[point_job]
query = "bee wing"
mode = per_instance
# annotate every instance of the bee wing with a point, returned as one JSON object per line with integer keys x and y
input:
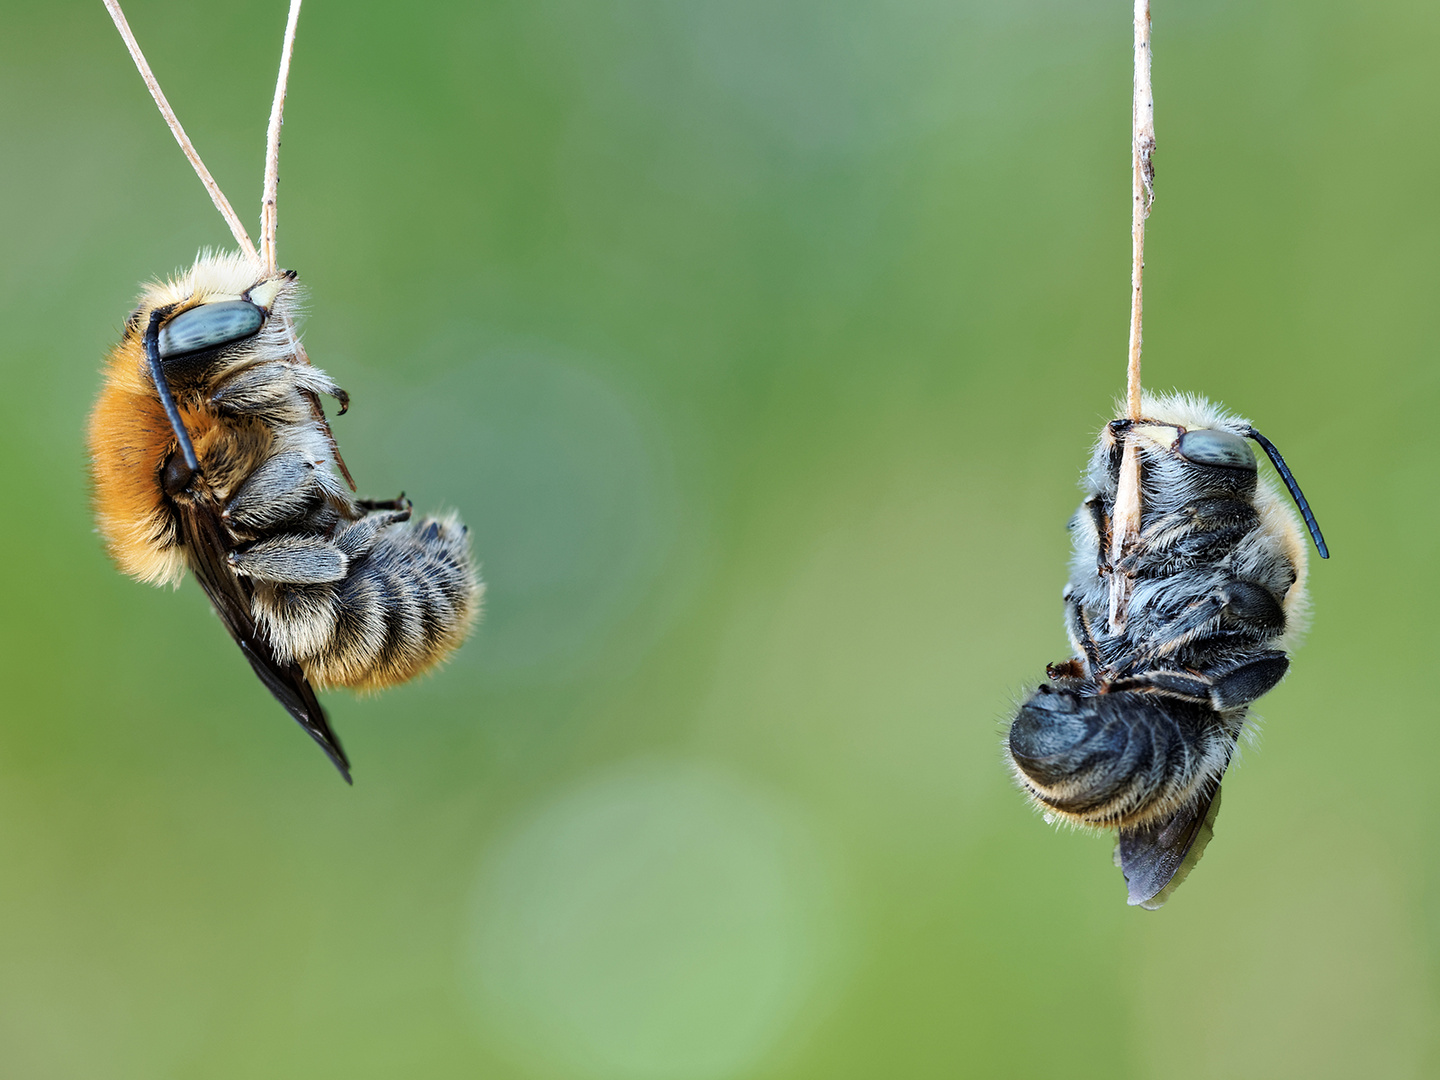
{"x": 1156, "y": 858}
{"x": 204, "y": 539}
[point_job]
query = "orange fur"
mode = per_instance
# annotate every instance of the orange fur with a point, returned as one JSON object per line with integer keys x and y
{"x": 130, "y": 438}
{"x": 305, "y": 579}
{"x": 131, "y": 442}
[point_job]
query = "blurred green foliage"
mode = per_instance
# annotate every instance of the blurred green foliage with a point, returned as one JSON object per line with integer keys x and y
{"x": 761, "y": 343}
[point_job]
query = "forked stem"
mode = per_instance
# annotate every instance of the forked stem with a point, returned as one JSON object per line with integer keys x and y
{"x": 268, "y": 219}
{"x": 216, "y": 195}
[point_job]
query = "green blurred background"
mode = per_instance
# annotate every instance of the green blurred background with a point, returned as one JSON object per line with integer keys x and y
{"x": 760, "y": 343}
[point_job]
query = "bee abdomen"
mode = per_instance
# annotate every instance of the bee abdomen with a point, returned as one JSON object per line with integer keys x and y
{"x": 1114, "y": 758}
{"x": 404, "y": 605}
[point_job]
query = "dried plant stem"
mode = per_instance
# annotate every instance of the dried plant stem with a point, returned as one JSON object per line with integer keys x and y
{"x": 216, "y": 195}
{"x": 1142, "y": 188}
{"x": 1125, "y": 520}
{"x": 268, "y": 220}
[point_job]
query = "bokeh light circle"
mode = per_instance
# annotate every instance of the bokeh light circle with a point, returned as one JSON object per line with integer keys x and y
{"x": 665, "y": 920}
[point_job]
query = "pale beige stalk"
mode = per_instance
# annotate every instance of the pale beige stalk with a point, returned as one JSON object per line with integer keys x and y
{"x": 268, "y": 220}
{"x": 1125, "y": 521}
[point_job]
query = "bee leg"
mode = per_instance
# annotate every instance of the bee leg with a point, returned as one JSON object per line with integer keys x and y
{"x": 1074, "y": 668}
{"x": 359, "y": 538}
{"x": 1243, "y": 683}
{"x": 1173, "y": 683}
{"x": 1077, "y": 625}
{"x": 280, "y": 490}
{"x": 315, "y": 381}
{"x": 1201, "y": 534}
{"x": 257, "y": 390}
{"x": 1100, "y": 521}
{"x": 306, "y": 380}
{"x": 1254, "y": 607}
{"x": 1242, "y": 606}
{"x": 397, "y": 503}
{"x": 1173, "y": 635}
{"x": 291, "y": 560}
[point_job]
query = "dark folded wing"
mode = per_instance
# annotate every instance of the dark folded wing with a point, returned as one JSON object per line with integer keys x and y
{"x": 1156, "y": 858}
{"x": 205, "y": 541}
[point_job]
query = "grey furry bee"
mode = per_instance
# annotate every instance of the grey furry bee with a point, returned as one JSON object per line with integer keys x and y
{"x": 210, "y": 452}
{"x": 1174, "y": 638}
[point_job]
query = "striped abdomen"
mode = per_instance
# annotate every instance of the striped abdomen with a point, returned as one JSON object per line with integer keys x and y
{"x": 408, "y": 597}
{"x": 1116, "y": 758}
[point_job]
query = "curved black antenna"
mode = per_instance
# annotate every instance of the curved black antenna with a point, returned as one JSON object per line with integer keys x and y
{"x": 162, "y": 387}
{"x": 1295, "y": 492}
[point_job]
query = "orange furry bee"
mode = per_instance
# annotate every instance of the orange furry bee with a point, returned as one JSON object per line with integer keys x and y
{"x": 210, "y": 452}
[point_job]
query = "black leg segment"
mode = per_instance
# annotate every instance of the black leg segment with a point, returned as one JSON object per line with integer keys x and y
{"x": 1249, "y": 681}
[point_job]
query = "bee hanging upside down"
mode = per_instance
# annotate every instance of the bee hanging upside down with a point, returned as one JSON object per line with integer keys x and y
{"x": 1175, "y": 636}
{"x": 210, "y": 452}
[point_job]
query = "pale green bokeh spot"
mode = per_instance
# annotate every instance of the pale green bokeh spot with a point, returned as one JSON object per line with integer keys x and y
{"x": 518, "y": 425}
{"x": 665, "y": 921}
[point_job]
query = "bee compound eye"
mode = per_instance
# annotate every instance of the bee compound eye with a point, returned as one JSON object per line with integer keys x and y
{"x": 1207, "y": 446}
{"x": 209, "y": 325}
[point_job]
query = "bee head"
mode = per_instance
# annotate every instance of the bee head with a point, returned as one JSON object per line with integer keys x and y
{"x": 199, "y": 316}
{"x": 1192, "y": 442}
{"x": 1204, "y": 462}
{"x": 204, "y": 320}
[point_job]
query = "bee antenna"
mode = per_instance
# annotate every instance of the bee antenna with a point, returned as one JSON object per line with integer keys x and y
{"x": 1295, "y": 493}
{"x": 162, "y": 386}
{"x": 216, "y": 195}
{"x": 272, "y": 145}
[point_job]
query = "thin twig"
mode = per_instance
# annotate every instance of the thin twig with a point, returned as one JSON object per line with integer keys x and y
{"x": 1125, "y": 520}
{"x": 272, "y": 145}
{"x": 216, "y": 195}
{"x": 1142, "y": 146}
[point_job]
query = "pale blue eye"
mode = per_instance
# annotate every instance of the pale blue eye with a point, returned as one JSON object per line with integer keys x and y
{"x": 209, "y": 325}
{"x": 1206, "y": 446}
